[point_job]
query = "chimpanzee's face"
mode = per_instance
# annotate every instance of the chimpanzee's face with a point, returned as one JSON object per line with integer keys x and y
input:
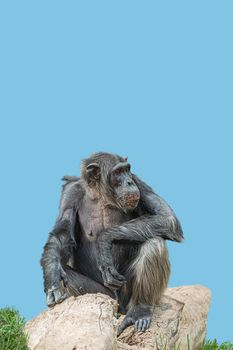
{"x": 125, "y": 190}
{"x": 110, "y": 175}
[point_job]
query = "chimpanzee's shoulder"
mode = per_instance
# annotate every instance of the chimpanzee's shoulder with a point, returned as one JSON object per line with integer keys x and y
{"x": 72, "y": 188}
{"x": 69, "y": 179}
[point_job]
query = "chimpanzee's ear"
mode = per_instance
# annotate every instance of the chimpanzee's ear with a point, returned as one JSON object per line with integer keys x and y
{"x": 93, "y": 171}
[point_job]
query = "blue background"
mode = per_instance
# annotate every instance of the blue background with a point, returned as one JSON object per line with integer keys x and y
{"x": 151, "y": 80}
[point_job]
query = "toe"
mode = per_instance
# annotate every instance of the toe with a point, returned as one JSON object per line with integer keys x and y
{"x": 139, "y": 324}
{"x": 146, "y": 324}
{"x": 142, "y": 324}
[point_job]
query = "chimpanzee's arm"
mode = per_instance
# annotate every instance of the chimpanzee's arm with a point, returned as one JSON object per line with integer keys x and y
{"x": 156, "y": 219}
{"x": 59, "y": 246}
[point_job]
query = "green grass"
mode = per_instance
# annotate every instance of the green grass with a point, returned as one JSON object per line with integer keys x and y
{"x": 208, "y": 345}
{"x": 213, "y": 345}
{"x": 12, "y": 336}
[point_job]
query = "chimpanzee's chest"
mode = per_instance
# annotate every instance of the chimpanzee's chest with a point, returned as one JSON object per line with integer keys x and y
{"x": 95, "y": 216}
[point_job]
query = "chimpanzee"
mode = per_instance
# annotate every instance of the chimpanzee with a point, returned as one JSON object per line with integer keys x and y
{"x": 109, "y": 237}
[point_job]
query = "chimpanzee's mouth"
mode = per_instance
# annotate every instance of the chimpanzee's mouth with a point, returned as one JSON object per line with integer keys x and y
{"x": 130, "y": 200}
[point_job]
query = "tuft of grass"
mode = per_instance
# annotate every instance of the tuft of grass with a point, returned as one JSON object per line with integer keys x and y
{"x": 12, "y": 336}
{"x": 208, "y": 345}
{"x": 213, "y": 345}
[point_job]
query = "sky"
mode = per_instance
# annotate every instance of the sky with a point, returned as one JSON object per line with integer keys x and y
{"x": 145, "y": 79}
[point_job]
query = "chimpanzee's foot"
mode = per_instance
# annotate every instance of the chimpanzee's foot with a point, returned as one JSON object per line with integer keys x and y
{"x": 143, "y": 324}
{"x": 139, "y": 315}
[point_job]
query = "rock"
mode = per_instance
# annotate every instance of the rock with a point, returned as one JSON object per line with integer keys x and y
{"x": 182, "y": 314}
{"x": 89, "y": 322}
{"x": 85, "y": 322}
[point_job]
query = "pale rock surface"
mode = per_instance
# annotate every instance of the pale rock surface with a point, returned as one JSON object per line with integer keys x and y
{"x": 182, "y": 313}
{"x": 89, "y": 322}
{"x": 85, "y": 322}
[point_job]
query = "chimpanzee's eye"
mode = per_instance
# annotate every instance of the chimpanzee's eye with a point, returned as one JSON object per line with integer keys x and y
{"x": 118, "y": 171}
{"x": 116, "y": 182}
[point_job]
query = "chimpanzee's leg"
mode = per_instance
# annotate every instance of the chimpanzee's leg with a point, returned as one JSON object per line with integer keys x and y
{"x": 147, "y": 278}
{"x": 75, "y": 284}
{"x": 78, "y": 284}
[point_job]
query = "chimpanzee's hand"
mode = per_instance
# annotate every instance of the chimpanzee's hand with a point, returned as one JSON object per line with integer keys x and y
{"x": 56, "y": 293}
{"x": 111, "y": 278}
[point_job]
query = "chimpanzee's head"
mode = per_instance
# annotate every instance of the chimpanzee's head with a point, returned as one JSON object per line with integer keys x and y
{"x": 110, "y": 175}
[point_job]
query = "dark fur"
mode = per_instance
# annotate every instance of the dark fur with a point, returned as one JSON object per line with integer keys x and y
{"x": 110, "y": 237}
